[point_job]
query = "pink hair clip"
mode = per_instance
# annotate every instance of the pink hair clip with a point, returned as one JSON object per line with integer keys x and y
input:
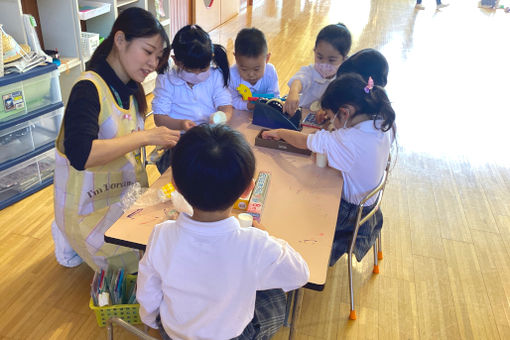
{"x": 126, "y": 116}
{"x": 370, "y": 85}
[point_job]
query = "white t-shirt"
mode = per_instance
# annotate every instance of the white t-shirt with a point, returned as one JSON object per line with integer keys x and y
{"x": 360, "y": 152}
{"x": 268, "y": 84}
{"x": 175, "y": 98}
{"x": 314, "y": 85}
{"x": 202, "y": 277}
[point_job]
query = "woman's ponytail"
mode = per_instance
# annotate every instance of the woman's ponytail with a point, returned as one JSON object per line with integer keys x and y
{"x": 221, "y": 60}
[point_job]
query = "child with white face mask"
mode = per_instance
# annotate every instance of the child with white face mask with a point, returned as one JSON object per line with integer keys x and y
{"x": 196, "y": 86}
{"x": 307, "y": 86}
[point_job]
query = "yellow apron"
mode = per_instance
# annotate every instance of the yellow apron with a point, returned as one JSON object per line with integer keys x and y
{"x": 87, "y": 202}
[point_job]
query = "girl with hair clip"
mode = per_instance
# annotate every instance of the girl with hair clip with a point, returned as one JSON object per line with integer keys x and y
{"x": 359, "y": 143}
{"x": 98, "y": 150}
{"x": 195, "y": 88}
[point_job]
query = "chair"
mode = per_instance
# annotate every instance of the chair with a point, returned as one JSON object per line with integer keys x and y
{"x": 130, "y": 328}
{"x": 379, "y": 190}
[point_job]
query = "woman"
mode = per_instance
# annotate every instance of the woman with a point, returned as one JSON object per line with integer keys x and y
{"x": 99, "y": 145}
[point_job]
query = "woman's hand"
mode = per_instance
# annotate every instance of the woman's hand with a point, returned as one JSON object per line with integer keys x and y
{"x": 162, "y": 136}
{"x": 271, "y": 134}
{"x": 187, "y": 124}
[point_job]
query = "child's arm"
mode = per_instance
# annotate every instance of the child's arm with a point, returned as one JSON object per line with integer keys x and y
{"x": 275, "y": 89}
{"x": 295, "y": 138}
{"x": 237, "y": 101}
{"x": 172, "y": 123}
{"x": 149, "y": 292}
{"x": 292, "y": 103}
{"x": 281, "y": 266}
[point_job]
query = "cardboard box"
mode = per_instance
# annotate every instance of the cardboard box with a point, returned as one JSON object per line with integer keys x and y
{"x": 242, "y": 202}
{"x": 278, "y": 144}
{"x": 258, "y": 196}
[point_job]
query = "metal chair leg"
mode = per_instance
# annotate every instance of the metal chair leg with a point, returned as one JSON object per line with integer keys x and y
{"x": 352, "y": 314}
{"x": 296, "y": 310}
{"x": 290, "y": 298}
{"x": 130, "y": 328}
{"x": 379, "y": 245}
{"x": 376, "y": 264}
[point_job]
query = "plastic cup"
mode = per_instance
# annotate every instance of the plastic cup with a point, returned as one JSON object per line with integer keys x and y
{"x": 245, "y": 220}
{"x": 321, "y": 160}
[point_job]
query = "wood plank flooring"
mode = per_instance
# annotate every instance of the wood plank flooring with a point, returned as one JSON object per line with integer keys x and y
{"x": 446, "y": 236}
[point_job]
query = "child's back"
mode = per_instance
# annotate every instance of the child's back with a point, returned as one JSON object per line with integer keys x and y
{"x": 202, "y": 273}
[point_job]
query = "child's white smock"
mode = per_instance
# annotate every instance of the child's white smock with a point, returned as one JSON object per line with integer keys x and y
{"x": 313, "y": 83}
{"x": 202, "y": 277}
{"x": 360, "y": 152}
{"x": 268, "y": 84}
{"x": 175, "y": 98}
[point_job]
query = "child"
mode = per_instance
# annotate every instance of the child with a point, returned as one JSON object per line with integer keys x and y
{"x": 331, "y": 48}
{"x": 203, "y": 276}
{"x": 367, "y": 63}
{"x": 252, "y": 68}
{"x": 363, "y": 119}
{"x": 192, "y": 90}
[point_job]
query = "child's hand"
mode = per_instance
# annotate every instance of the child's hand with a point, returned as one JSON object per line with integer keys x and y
{"x": 187, "y": 124}
{"x": 291, "y": 104}
{"x": 271, "y": 134}
{"x": 320, "y": 116}
{"x": 258, "y": 225}
{"x": 250, "y": 106}
{"x": 162, "y": 136}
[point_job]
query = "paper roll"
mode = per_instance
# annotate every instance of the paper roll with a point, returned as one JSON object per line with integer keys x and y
{"x": 245, "y": 220}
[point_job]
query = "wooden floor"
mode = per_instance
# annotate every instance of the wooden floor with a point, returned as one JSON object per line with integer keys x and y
{"x": 446, "y": 236}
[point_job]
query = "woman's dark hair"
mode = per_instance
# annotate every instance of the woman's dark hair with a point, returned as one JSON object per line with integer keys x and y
{"x": 134, "y": 22}
{"x": 367, "y": 63}
{"x": 193, "y": 47}
{"x": 212, "y": 165}
{"x": 349, "y": 89}
{"x": 338, "y": 36}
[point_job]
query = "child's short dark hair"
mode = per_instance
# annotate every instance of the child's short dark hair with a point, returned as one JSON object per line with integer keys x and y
{"x": 212, "y": 165}
{"x": 338, "y": 36}
{"x": 250, "y": 42}
{"x": 367, "y": 63}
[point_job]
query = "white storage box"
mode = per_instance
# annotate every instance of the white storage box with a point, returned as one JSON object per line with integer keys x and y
{"x": 26, "y": 92}
{"x": 26, "y": 178}
{"x": 91, "y": 9}
{"x": 24, "y": 138}
{"x": 89, "y": 42}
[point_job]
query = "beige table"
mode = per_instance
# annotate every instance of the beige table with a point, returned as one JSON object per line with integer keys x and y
{"x": 301, "y": 205}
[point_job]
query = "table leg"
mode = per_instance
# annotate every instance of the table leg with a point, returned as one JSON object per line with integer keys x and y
{"x": 296, "y": 310}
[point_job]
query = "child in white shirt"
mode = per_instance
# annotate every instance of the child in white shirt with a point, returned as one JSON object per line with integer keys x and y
{"x": 363, "y": 119}
{"x": 192, "y": 90}
{"x": 203, "y": 276}
{"x": 252, "y": 68}
{"x": 307, "y": 86}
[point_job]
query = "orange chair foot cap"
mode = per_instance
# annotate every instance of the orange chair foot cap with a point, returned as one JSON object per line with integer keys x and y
{"x": 376, "y": 269}
{"x": 352, "y": 315}
{"x": 379, "y": 255}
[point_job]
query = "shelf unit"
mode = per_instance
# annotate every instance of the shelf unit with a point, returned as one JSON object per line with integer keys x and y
{"x": 30, "y": 118}
{"x": 61, "y": 28}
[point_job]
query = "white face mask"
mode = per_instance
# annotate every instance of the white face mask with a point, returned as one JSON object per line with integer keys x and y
{"x": 326, "y": 70}
{"x": 194, "y": 78}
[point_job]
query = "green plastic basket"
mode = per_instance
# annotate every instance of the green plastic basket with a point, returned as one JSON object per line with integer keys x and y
{"x": 128, "y": 313}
